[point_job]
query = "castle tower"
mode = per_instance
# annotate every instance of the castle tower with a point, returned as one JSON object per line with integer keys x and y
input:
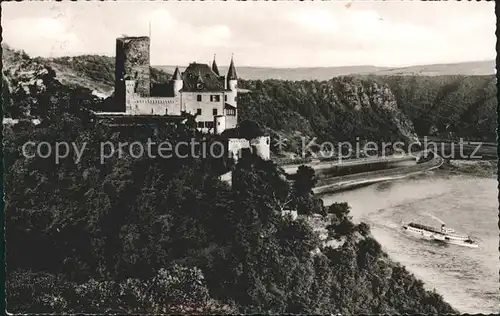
{"x": 232, "y": 81}
{"x": 219, "y": 124}
{"x": 215, "y": 69}
{"x": 232, "y": 78}
{"x": 178, "y": 83}
{"x": 132, "y": 62}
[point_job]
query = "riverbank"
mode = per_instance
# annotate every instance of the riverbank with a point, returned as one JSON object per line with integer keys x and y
{"x": 331, "y": 185}
{"x": 465, "y": 277}
{"x": 478, "y": 168}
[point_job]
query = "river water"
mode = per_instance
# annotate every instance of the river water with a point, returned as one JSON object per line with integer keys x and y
{"x": 467, "y": 278}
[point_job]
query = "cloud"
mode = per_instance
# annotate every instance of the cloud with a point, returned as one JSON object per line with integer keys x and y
{"x": 314, "y": 20}
{"x": 282, "y": 34}
{"x": 41, "y": 36}
{"x": 215, "y": 35}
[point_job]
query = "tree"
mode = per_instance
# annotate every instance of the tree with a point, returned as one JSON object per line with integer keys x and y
{"x": 340, "y": 210}
{"x": 305, "y": 180}
{"x": 249, "y": 129}
{"x": 363, "y": 228}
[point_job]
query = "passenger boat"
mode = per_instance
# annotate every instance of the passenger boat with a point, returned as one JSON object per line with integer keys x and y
{"x": 444, "y": 234}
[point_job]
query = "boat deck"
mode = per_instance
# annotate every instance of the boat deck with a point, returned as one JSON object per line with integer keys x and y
{"x": 425, "y": 227}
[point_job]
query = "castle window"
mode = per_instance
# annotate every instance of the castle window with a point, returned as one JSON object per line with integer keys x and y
{"x": 215, "y": 98}
{"x": 214, "y": 112}
{"x": 198, "y": 98}
{"x": 201, "y": 124}
{"x": 209, "y": 124}
{"x": 231, "y": 112}
{"x": 198, "y": 111}
{"x": 225, "y": 98}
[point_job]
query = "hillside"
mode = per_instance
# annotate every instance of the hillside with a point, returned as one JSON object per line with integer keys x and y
{"x": 146, "y": 236}
{"x": 149, "y": 236}
{"x": 340, "y": 109}
{"x": 96, "y": 72}
{"x": 475, "y": 68}
{"x": 457, "y": 106}
{"x": 373, "y": 106}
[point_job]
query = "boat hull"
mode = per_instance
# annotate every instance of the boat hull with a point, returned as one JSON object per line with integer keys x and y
{"x": 440, "y": 237}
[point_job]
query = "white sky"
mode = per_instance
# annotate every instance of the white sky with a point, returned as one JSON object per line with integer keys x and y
{"x": 271, "y": 34}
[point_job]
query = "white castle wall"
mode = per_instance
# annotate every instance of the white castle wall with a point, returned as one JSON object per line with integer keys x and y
{"x": 232, "y": 94}
{"x": 157, "y": 106}
{"x": 137, "y": 105}
{"x": 184, "y": 101}
{"x": 260, "y": 146}
{"x": 235, "y": 145}
{"x": 219, "y": 124}
{"x": 190, "y": 104}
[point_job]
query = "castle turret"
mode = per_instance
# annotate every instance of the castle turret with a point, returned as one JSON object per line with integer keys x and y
{"x": 231, "y": 93}
{"x": 215, "y": 69}
{"x": 219, "y": 124}
{"x": 232, "y": 78}
{"x": 177, "y": 79}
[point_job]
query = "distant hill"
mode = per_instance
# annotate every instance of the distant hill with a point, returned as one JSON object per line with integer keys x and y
{"x": 97, "y": 72}
{"x": 427, "y": 100}
{"x": 474, "y": 68}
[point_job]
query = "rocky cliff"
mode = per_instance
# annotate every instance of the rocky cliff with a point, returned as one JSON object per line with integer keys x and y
{"x": 340, "y": 109}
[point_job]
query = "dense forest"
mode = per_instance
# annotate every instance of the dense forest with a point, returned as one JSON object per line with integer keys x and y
{"x": 341, "y": 109}
{"x": 375, "y": 107}
{"x": 465, "y": 106}
{"x": 149, "y": 235}
{"x": 153, "y": 236}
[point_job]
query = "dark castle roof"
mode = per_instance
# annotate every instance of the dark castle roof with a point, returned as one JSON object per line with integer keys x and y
{"x": 200, "y": 77}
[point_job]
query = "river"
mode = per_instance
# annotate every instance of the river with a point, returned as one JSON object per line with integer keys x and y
{"x": 467, "y": 278}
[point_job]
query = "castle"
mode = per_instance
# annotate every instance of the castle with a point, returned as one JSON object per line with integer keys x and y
{"x": 199, "y": 90}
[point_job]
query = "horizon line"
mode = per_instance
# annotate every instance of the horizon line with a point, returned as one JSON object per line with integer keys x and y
{"x": 343, "y": 66}
{"x": 275, "y": 67}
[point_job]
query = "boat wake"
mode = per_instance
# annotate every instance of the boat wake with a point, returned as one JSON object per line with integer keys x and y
{"x": 435, "y": 218}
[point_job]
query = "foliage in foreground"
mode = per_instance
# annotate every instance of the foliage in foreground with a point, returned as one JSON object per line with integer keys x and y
{"x": 165, "y": 235}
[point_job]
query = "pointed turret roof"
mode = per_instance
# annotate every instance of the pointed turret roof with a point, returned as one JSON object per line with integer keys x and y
{"x": 231, "y": 73}
{"x": 215, "y": 69}
{"x": 177, "y": 74}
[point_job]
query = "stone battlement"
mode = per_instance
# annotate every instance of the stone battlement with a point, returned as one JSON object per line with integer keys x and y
{"x": 154, "y": 106}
